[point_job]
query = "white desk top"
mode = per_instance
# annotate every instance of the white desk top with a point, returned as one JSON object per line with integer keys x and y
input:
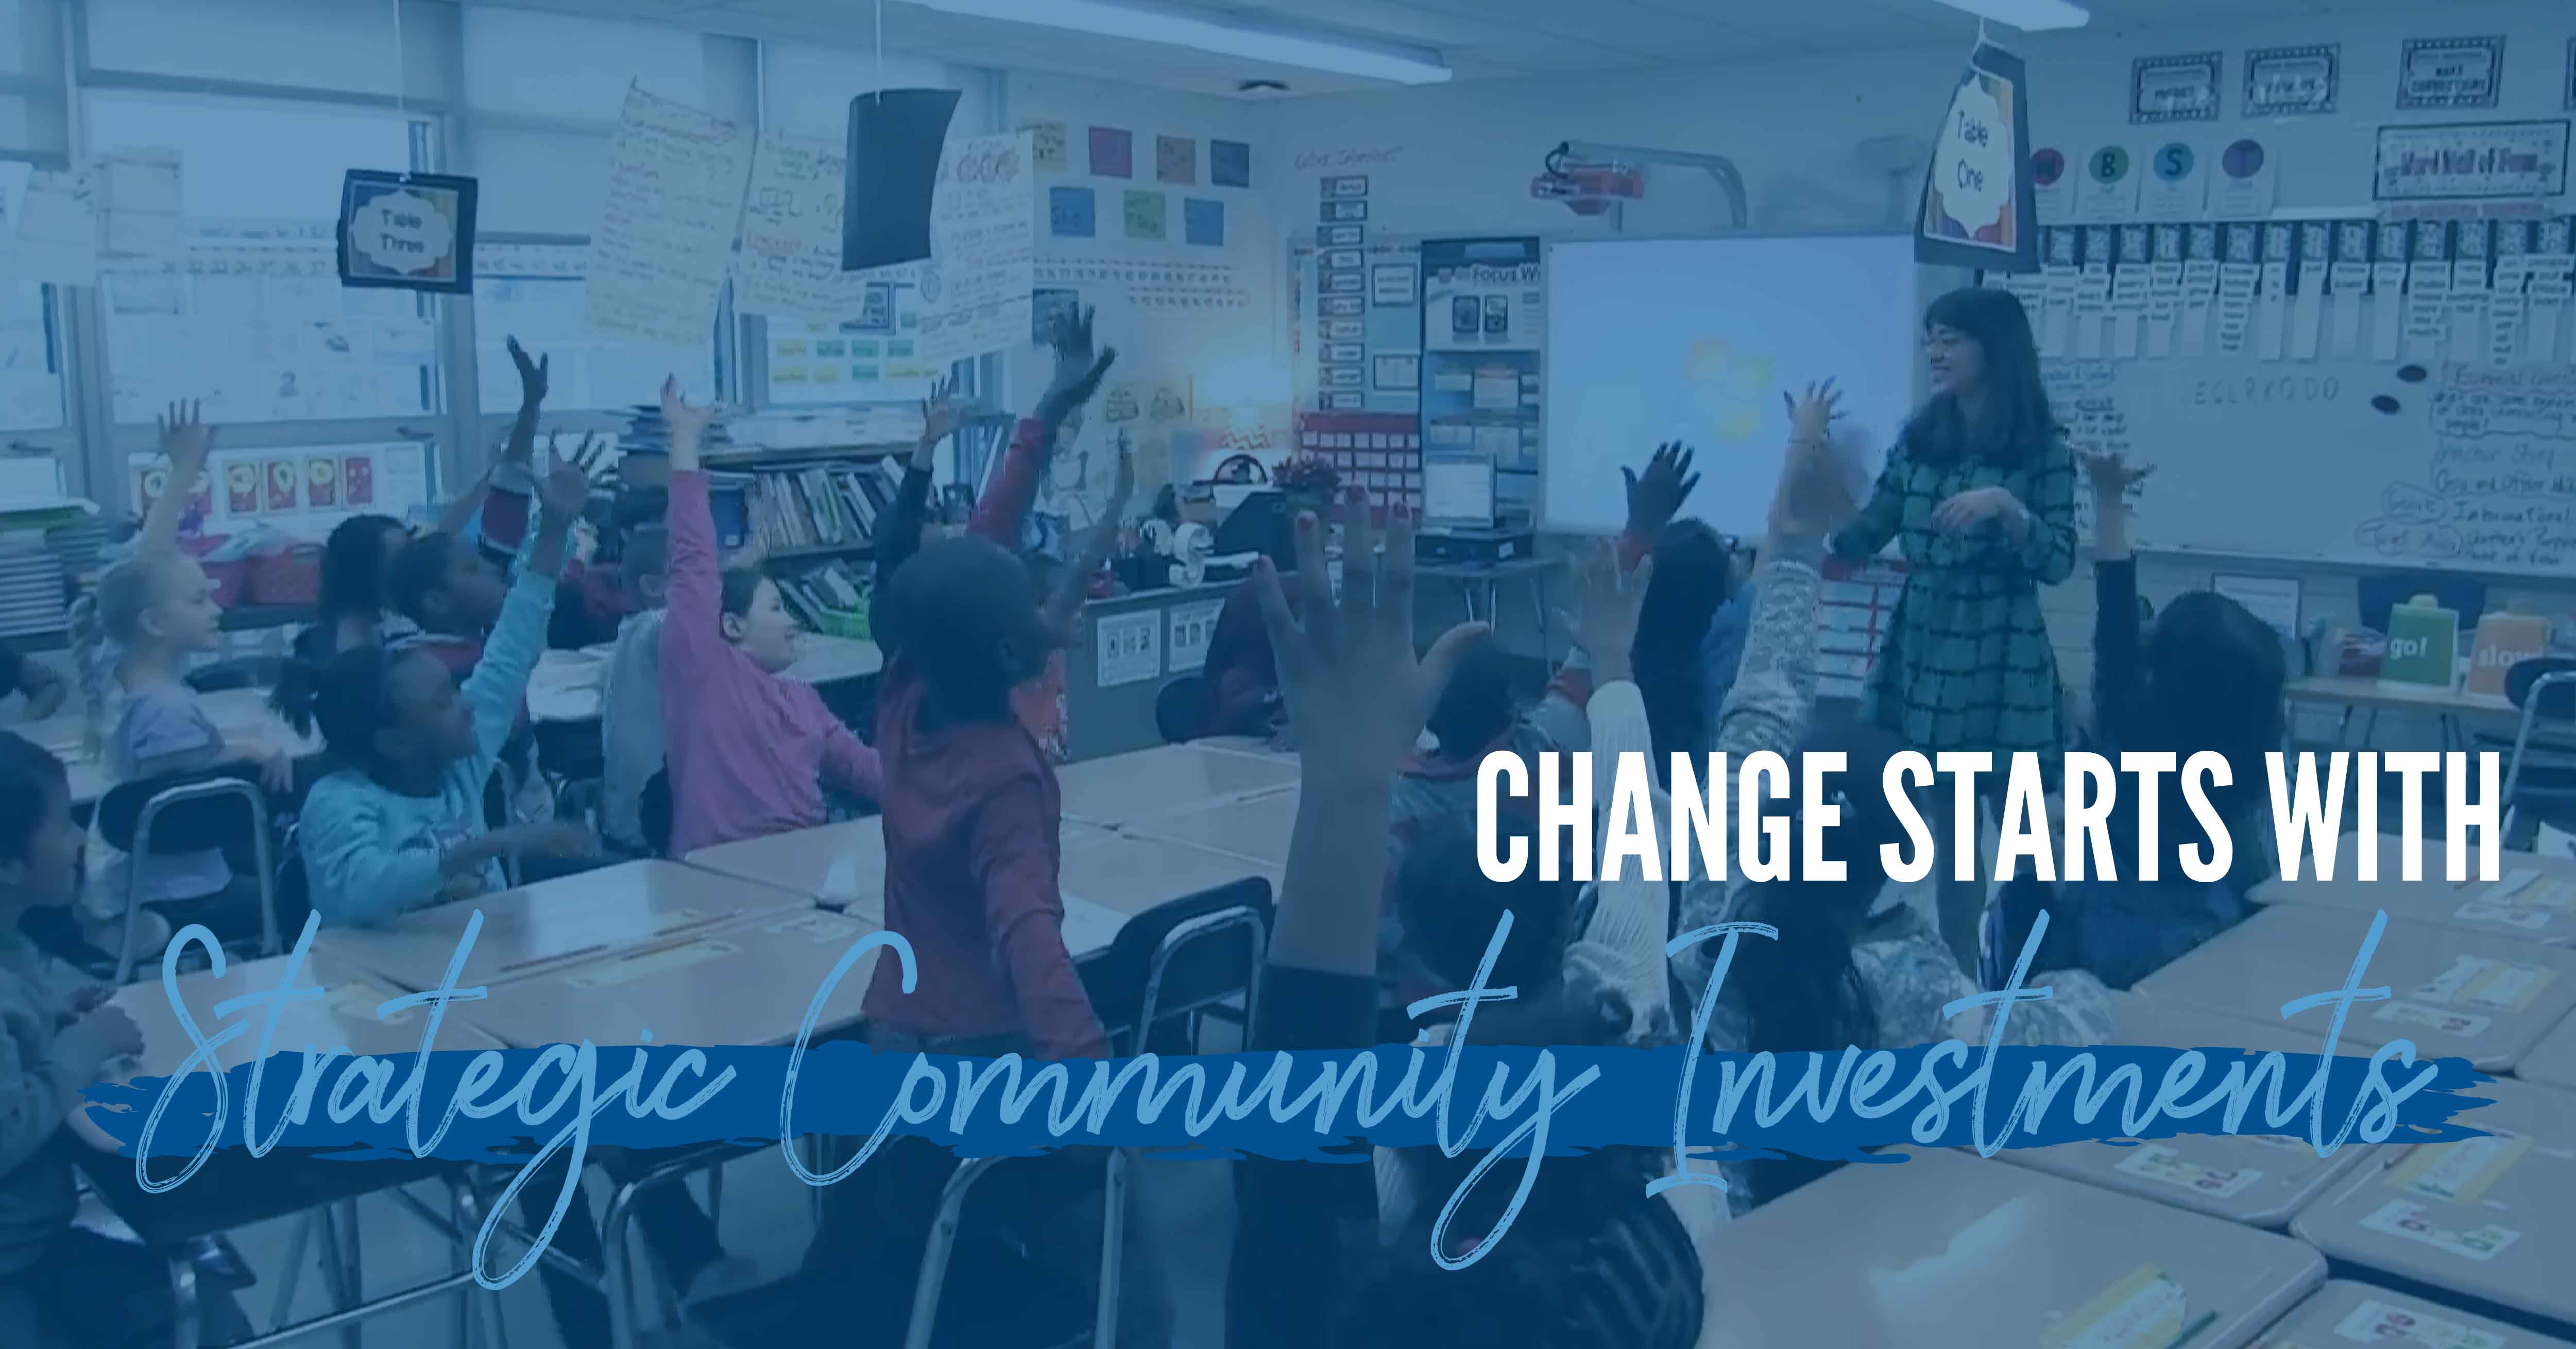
{"x": 748, "y": 981}
{"x": 2455, "y": 994}
{"x": 235, "y": 712}
{"x": 1949, "y": 1249}
{"x": 1129, "y": 875}
{"x": 1256, "y": 828}
{"x": 2535, "y": 901}
{"x": 803, "y": 861}
{"x": 2259, "y": 1181}
{"x": 2552, "y": 1062}
{"x": 2343, "y": 1312}
{"x": 2491, "y": 1217}
{"x": 2365, "y": 691}
{"x": 555, "y": 924}
{"x": 566, "y": 684}
{"x": 1125, "y": 789}
{"x": 344, "y": 1017}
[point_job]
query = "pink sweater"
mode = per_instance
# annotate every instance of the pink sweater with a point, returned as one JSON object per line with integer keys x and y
{"x": 748, "y": 750}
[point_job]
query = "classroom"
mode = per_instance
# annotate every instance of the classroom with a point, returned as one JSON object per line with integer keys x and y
{"x": 1097, "y": 489}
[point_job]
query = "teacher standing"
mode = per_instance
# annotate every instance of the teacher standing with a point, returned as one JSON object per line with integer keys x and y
{"x": 1980, "y": 494}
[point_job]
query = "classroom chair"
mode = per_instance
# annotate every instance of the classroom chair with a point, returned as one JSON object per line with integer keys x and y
{"x": 1172, "y": 960}
{"x": 183, "y": 813}
{"x": 241, "y": 672}
{"x": 1180, "y": 708}
{"x": 2540, "y": 760}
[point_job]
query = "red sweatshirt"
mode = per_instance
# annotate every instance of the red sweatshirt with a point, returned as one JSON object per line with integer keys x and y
{"x": 973, "y": 839}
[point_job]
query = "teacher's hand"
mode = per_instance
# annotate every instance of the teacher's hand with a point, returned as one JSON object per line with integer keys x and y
{"x": 1977, "y": 507}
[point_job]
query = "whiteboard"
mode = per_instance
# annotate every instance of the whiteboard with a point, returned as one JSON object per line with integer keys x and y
{"x": 2456, "y": 465}
{"x": 1650, "y": 340}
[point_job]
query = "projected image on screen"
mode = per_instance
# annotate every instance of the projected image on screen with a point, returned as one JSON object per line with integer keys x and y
{"x": 1695, "y": 340}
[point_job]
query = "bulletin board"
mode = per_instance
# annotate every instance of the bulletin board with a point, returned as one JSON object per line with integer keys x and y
{"x": 1160, "y": 230}
{"x": 300, "y": 490}
{"x": 2358, "y": 390}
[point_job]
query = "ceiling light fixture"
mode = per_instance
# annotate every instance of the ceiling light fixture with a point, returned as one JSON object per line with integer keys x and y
{"x": 1399, "y": 65}
{"x": 2030, "y": 16}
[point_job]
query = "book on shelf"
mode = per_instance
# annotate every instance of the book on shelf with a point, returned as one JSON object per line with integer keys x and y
{"x": 830, "y": 504}
{"x": 836, "y": 586}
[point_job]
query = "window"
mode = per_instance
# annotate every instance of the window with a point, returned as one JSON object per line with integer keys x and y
{"x": 251, "y": 317}
{"x": 533, "y": 291}
{"x": 31, "y": 359}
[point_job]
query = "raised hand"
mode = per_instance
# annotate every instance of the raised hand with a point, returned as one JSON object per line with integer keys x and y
{"x": 1812, "y": 415}
{"x": 532, "y": 373}
{"x": 1815, "y": 497}
{"x": 1605, "y": 622}
{"x": 941, "y": 414}
{"x": 187, "y": 439}
{"x": 1071, "y": 338}
{"x": 1064, "y": 400}
{"x": 2111, "y": 473}
{"x": 1654, "y": 498}
{"x": 688, "y": 423}
{"x": 1356, "y": 693}
{"x": 1123, "y": 489}
{"x": 565, "y": 491}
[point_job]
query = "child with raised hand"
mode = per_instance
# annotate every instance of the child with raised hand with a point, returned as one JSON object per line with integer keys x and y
{"x": 132, "y": 639}
{"x": 754, "y": 752}
{"x": 2205, "y": 675}
{"x": 60, "y": 1283}
{"x": 400, "y": 825}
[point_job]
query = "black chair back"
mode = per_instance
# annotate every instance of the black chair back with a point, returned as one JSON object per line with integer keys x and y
{"x": 654, "y": 811}
{"x": 243, "y": 672}
{"x": 1217, "y": 958}
{"x": 185, "y": 827}
{"x": 2558, "y": 701}
{"x": 1180, "y": 709}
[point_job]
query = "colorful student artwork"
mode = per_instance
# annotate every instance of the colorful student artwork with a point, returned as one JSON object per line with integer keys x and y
{"x": 1049, "y": 150}
{"x": 1176, "y": 160}
{"x": 1070, "y": 212}
{"x": 1977, "y": 209}
{"x": 407, "y": 231}
{"x": 1146, "y": 214}
{"x": 1113, "y": 152}
{"x": 1230, "y": 162}
{"x": 1203, "y": 222}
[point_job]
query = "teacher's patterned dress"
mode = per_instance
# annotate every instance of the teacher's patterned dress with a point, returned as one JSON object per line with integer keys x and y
{"x": 1966, "y": 664}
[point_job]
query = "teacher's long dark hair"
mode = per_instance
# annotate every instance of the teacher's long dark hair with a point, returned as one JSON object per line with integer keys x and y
{"x": 2013, "y": 420}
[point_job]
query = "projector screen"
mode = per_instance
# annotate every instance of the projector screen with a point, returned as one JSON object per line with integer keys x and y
{"x": 1650, "y": 340}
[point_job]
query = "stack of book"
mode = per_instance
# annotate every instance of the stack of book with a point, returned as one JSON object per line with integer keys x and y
{"x": 821, "y": 505}
{"x": 647, "y": 433}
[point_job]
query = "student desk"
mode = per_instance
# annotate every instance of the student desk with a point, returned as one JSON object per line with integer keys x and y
{"x": 234, "y": 1189}
{"x": 803, "y": 861}
{"x": 555, "y": 924}
{"x": 1125, "y": 789}
{"x": 2492, "y": 1217}
{"x": 1128, "y": 875}
{"x": 2552, "y": 1062}
{"x": 2259, "y": 1181}
{"x": 745, "y": 981}
{"x": 2534, "y": 901}
{"x": 1255, "y": 828}
{"x": 2455, "y": 994}
{"x": 2347, "y": 1313}
{"x": 238, "y": 713}
{"x": 1948, "y": 1248}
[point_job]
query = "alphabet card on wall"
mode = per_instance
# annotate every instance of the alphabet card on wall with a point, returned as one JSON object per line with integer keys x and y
{"x": 407, "y": 231}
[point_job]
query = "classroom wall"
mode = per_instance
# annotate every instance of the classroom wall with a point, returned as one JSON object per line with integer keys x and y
{"x": 1809, "y": 136}
{"x": 1199, "y": 327}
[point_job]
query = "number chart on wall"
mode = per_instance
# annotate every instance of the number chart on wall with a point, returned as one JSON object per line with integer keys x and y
{"x": 2394, "y": 392}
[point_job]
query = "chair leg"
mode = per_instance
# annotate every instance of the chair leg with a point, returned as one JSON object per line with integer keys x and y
{"x": 469, "y": 1206}
{"x": 934, "y": 1256}
{"x": 353, "y": 1275}
{"x": 1113, "y": 1249}
{"x": 292, "y": 1273}
{"x": 186, "y": 1316}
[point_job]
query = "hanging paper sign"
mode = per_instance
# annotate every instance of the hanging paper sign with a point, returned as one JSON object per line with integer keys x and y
{"x": 2470, "y": 160}
{"x": 2174, "y": 88}
{"x": 893, "y": 161}
{"x": 2292, "y": 81}
{"x": 2108, "y": 191}
{"x": 407, "y": 231}
{"x": 2450, "y": 72}
{"x": 1977, "y": 208}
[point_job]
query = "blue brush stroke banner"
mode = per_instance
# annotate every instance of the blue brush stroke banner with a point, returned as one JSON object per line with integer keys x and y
{"x": 488, "y": 1106}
